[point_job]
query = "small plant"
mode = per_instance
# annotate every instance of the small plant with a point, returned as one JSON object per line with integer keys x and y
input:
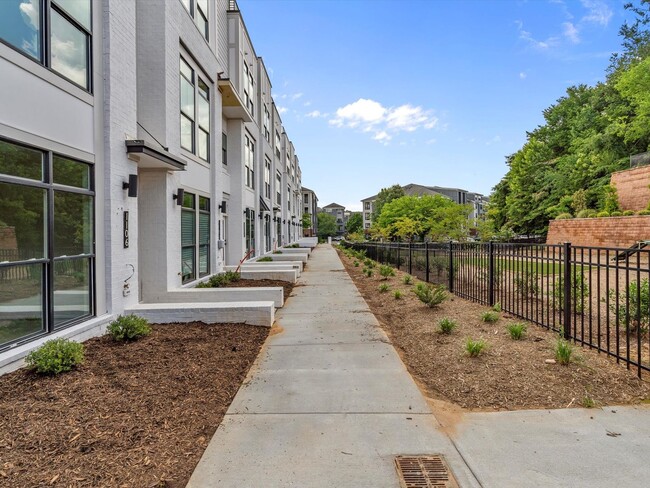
{"x": 627, "y": 213}
{"x": 293, "y": 246}
{"x": 588, "y": 402}
{"x": 490, "y": 316}
{"x": 356, "y": 264}
{"x": 643, "y": 212}
{"x": 368, "y": 262}
{"x": 517, "y": 330}
{"x": 497, "y": 307}
{"x": 407, "y": 279}
{"x": 56, "y": 356}
{"x": 564, "y": 216}
{"x": 277, "y": 252}
{"x": 128, "y": 328}
{"x": 638, "y": 312}
{"x": 430, "y": 295}
{"x": 265, "y": 259}
{"x": 474, "y": 348}
{"x": 579, "y": 291}
{"x": 397, "y": 294}
{"x": 602, "y": 214}
{"x": 586, "y": 214}
{"x": 563, "y": 351}
{"x": 385, "y": 271}
{"x": 526, "y": 283}
{"x": 447, "y": 325}
{"x": 616, "y": 213}
{"x": 383, "y": 288}
{"x": 368, "y": 272}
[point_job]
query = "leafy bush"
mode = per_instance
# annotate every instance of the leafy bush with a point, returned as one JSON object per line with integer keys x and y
{"x": 526, "y": 283}
{"x": 368, "y": 262}
{"x": 368, "y": 272}
{"x": 615, "y": 213}
{"x": 277, "y": 252}
{"x": 490, "y": 316}
{"x": 128, "y": 328}
{"x": 586, "y": 214}
{"x": 474, "y": 348}
{"x": 356, "y": 264}
{"x": 292, "y": 246}
{"x": 563, "y": 351}
{"x": 588, "y": 402}
{"x": 627, "y": 213}
{"x": 56, "y": 356}
{"x": 564, "y": 216}
{"x": 397, "y": 294}
{"x": 447, "y": 325}
{"x": 407, "y": 279}
{"x": 517, "y": 330}
{"x": 223, "y": 279}
{"x": 643, "y": 212}
{"x": 430, "y": 295}
{"x": 638, "y": 314}
{"x": 602, "y": 214}
{"x": 383, "y": 288}
{"x": 579, "y": 291}
{"x": 385, "y": 271}
{"x": 265, "y": 259}
{"x": 497, "y": 307}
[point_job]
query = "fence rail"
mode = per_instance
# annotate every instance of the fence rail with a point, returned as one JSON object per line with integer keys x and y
{"x": 598, "y": 297}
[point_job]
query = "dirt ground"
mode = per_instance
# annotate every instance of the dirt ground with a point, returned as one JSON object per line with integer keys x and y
{"x": 288, "y": 286}
{"x": 136, "y": 414}
{"x": 509, "y": 374}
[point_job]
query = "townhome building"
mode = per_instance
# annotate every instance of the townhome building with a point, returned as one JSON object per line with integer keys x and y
{"x": 141, "y": 152}
{"x": 310, "y": 207}
{"x": 339, "y": 213}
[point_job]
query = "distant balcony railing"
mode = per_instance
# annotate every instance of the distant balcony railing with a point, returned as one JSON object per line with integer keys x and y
{"x": 232, "y": 6}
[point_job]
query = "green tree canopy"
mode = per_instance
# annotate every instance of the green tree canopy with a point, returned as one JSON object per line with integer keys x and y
{"x": 326, "y": 225}
{"x": 306, "y": 221}
{"x": 355, "y": 223}
{"x": 383, "y": 197}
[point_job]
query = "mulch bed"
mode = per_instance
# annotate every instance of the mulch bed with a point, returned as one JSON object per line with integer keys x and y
{"x": 509, "y": 374}
{"x": 288, "y": 286}
{"x": 136, "y": 414}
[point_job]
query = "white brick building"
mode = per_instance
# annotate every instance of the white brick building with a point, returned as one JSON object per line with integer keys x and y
{"x": 144, "y": 157}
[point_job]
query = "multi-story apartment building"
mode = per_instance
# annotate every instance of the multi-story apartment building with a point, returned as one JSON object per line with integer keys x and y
{"x": 457, "y": 195}
{"x": 140, "y": 152}
{"x": 310, "y": 206}
{"x": 340, "y": 214}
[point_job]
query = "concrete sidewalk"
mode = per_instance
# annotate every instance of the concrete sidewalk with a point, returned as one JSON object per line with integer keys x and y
{"x": 329, "y": 404}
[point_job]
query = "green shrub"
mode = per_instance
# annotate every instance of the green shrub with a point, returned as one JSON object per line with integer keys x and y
{"x": 586, "y": 214}
{"x": 447, "y": 325}
{"x": 579, "y": 291}
{"x": 638, "y": 313}
{"x": 385, "y": 271}
{"x": 356, "y": 264}
{"x": 490, "y": 316}
{"x": 55, "y": 356}
{"x": 602, "y": 214}
{"x": 497, "y": 307}
{"x": 563, "y": 351}
{"x": 277, "y": 252}
{"x": 615, "y": 213}
{"x": 223, "y": 279}
{"x": 526, "y": 283}
{"x": 397, "y": 294}
{"x": 430, "y": 295}
{"x": 588, "y": 402}
{"x": 564, "y": 216}
{"x": 368, "y": 272}
{"x": 474, "y": 348}
{"x": 293, "y": 246}
{"x": 627, "y": 213}
{"x": 407, "y": 279}
{"x": 643, "y": 212}
{"x": 368, "y": 262}
{"x": 128, "y": 328}
{"x": 516, "y": 330}
{"x": 265, "y": 259}
{"x": 384, "y": 288}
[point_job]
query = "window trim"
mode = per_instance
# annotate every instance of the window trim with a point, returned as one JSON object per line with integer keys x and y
{"x": 197, "y": 78}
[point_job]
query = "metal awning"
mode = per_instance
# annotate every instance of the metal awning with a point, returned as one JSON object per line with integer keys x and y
{"x": 148, "y": 156}
{"x": 263, "y": 206}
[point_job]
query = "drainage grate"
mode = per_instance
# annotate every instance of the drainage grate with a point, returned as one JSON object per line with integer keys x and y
{"x": 424, "y": 472}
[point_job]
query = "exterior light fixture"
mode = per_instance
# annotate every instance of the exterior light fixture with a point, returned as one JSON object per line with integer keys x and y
{"x": 131, "y": 185}
{"x": 180, "y": 194}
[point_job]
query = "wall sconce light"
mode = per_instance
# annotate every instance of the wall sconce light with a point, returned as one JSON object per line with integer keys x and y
{"x": 260, "y": 215}
{"x": 284, "y": 221}
{"x": 180, "y": 194}
{"x": 131, "y": 185}
{"x": 222, "y": 206}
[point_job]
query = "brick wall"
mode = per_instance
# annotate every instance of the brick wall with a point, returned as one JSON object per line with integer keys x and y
{"x": 632, "y": 187}
{"x": 603, "y": 232}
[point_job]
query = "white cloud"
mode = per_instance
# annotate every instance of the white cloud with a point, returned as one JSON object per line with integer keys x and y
{"x": 382, "y": 122}
{"x": 306, "y": 104}
{"x": 282, "y": 110}
{"x": 598, "y": 12}
{"x": 315, "y": 114}
{"x": 296, "y": 96}
{"x": 524, "y": 35}
{"x": 571, "y": 32}
{"x": 523, "y": 75}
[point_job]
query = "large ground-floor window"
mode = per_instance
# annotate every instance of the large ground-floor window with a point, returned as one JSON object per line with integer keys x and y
{"x": 47, "y": 242}
{"x": 195, "y": 237}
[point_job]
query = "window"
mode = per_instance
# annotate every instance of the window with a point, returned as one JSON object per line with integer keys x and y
{"x": 367, "y": 216}
{"x": 289, "y": 198}
{"x": 249, "y": 161}
{"x": 278, "y": 189}
{"x": 367, "y": 205}
{"x": 249, "y": 229}
{"x": 47, "y": 242}
{"x": 306, "y": 210}
{"x": 191, "y": 246}
{"x": 267, "y": 177}
{"x": 198, "y": 10}
{"x": 306, "y": 198}
{"x": 277, "y": 144}
{"x": 267, "y": 123}
{"x": 55, "y": 33}
{"x": 248, "y": 89}
{"x": 195, "y": 106}
{"x": 224, "y": 148}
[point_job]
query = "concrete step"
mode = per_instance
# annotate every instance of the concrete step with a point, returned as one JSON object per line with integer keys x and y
{"x": 290, "y": 275}
{"x": 251, "y": 313}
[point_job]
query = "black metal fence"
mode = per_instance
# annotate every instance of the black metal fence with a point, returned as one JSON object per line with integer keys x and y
{"x": 598, "y": 297}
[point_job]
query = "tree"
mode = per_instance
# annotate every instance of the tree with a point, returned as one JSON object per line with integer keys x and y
{"x": 355, "y": 223}
{"x": 385, "y": 196}
{"x": 435, "y": 216}
{"x": 326, "y": 225}
{"x": 306, "y": 221}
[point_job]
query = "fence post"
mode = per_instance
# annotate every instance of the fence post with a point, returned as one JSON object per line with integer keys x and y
{"x": 567, "y": 290}
{"x": 426, "y": 261}
{"x": 398, "y": 247}
{"x": 491, "y": 274}
{"x": 410, "y": 258}
{"x": 451, "y": 266}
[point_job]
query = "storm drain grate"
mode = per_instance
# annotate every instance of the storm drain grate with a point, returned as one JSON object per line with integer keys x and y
{"x": 424, "y": 472}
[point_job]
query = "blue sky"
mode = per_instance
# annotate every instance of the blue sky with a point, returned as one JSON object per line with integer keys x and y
{"x": 435, "y": 92}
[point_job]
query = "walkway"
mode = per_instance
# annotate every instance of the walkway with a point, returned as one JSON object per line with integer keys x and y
{"x": 328, "y": 403}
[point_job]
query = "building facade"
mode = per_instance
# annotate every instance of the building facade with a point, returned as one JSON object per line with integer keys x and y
{"x": 140, "y": 153}
{"x": 310, "y": 206}
{"x": 340, "y": 214}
